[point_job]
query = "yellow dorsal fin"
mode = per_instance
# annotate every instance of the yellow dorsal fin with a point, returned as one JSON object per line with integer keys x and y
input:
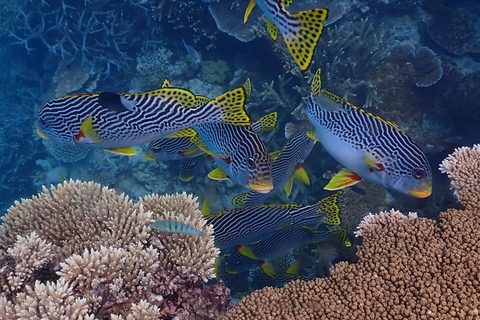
{"x": 302, "y": 39}
{"x": 341, "y": 236}
{"x": 316, "y": 86}
{"x": 266, "y": 123}
{"x": 249, "y": 10}
{"x": 182, "y": 96}
{"x": 166, "y": 84}
{"x": 205, "y": 207}
{"x": 127, "y": 151}
{"x": 301, "y": 175}
{"x": 187, "y": 132}
{"x": 218, "y": 174}
{"x": 232, "y": 104}
{"x": 288, "y": 186}
{"x": 87, "y": 132}
{"x": 202, "y": 100}
{"x": 248, "y": 87}
{"x": 238, "y": 201}
{"x": 344, "y": 178}
{"x": 272, "y": 29}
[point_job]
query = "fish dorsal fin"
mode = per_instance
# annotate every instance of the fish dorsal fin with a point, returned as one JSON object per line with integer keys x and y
{"x": 239, "y": 200}
{"x": 232, "y": 104}
{"x": 127, "y": 151}
{"x": 301, "y": 175}
{"x": 86, "y": 133}
{"x": 246, "y": 251}
{"x": 302, "y": 39}
{"x": 187, "y": 132}
{"x": 201, "y": 101}
{"x": 288, "y": 186}
{"x": 182, "y": 96}
{"x": 344, "y": 178}
{"x": 248, "y": 87}
{"x": 316, "y": 86}
{"x": 218, "y": 174}
{"x": 249, "y": 10}
{"x": 266, "y": 123}
{"x": 166, "y": 84}
{"x": 272, "y": 29}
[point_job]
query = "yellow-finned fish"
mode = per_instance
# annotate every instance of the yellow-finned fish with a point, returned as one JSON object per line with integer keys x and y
{"x": 117, "y": 121}
{"x": 300, "y": 30}
{"x": 369, "y": 147}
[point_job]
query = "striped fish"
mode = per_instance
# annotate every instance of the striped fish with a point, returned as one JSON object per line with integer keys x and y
{"x": 239, "y": 152}
{"x": 369, "y": 147}
{"x": 244, "y": 225}
{"x": 301, "y": 31}
{"x": 170, "y": 226}
{"x": 191, "y": 166}
{"x": 277, "y": 244}
{"x": 117, "y": 121}
{"x": 170, "y": 149}
{"x": 287, "y": 165}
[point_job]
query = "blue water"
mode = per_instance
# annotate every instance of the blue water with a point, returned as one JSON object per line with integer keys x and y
{"x": 49, "y": 49}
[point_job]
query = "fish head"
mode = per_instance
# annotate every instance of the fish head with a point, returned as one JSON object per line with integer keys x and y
{"x": 254, "y": 172}
{"x": 416, "y": 182}
{"x": 54, "y": 128}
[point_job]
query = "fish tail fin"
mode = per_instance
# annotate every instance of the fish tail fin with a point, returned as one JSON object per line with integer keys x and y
{"x": 330, "y": 208}
{"x": 302, "y": 36}
{"x": 231, "y": 106}
{"x": 341, "y": 236}
{"x": 266, "y": 123}
{"x": 238, "y": 201}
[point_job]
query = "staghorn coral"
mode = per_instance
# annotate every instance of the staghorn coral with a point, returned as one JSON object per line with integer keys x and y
{"x": 94, "y": 248}
{"x": 408, "y": 267}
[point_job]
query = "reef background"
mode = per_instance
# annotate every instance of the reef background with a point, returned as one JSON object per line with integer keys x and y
{"x": 416, "y": 63}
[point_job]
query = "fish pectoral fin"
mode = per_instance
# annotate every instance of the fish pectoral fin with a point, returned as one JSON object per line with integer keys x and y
{"x": 246, "y": 251}
{"x": 86, "y": 133}
{"x": 301, "y": 175}
{"x": 369, "y": 160}
{"x": 266, "y": 123}
{"x": 249, "y": 10}
{"x": 344, "y": 178}
{"x": 288, "y": 186}
{"x": 272, "y": 29}
{"x": 304, "y": 33}
{"x": 127, "y": 151}
{"x": 218, "y": 174}
{"x": 239, "y": 200}
{"x": 294, "y": 268}
{"x": 150, "y": 157}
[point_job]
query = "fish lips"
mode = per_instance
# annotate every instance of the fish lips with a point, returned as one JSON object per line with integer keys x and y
{"x": 260, "y": 187}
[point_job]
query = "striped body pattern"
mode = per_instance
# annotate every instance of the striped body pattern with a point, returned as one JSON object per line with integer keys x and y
{"x": 122, "y": 120}
{"x": 242, "y": 155}
{"x": 373, "y": 149}
{"x": 244, "y": 225}
{"x": 191, "y": 166}
{"x": 295, "y": 151}
{"x": 170, "y": 149}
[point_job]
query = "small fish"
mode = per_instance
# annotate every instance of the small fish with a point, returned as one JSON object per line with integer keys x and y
{"x": 286, "y": 166}
{"x": 244, "y": 225}
{"x": 191, "y": 166}
{"x": 301, "y": 31}
{"x": 192, "y": 52}
{"x": 170, "y": 226}
{"x": 369, "y": 147}
{"x": 118, "y": 121}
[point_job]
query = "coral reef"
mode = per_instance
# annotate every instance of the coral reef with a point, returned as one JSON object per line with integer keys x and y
{"x": 80, "y": 251}
{"x": 408, "y": 267}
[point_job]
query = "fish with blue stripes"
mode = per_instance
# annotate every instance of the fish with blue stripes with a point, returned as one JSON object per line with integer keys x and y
{"x": 117, "y": 121}
{"x": 171, "y": 149}
{"x": 191, "y": 166}
{"x": 286, "y": 166}
{"x": 194, "y": 55}
{"x": 301, "y": 30}
{"x": 369, "y": 147}
{"x": 244, "y": 225}
{"x": 171, "y": 226}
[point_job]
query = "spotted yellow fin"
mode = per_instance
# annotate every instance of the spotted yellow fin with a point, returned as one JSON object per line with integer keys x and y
{"x": 246, "y": 251}
{"x": 232, "y": 103}
{"x": 301, "y": 175}
{"x": 302, "y": 39}
{"x": 311, "y": 134}
{"x": 248, "y": 87}
{"x": 218, "y": 174}
{"x": 187, "y": 132}
{"x": 272, "y": 29}
{"x": 266, "y": 123}
{"x": 166, "y": 84}
{"x": 286, "y": 3}
{"x": 182, "y": 96}
{"x": 330, "y": 208}
{"x": 316, "y": 86}
{"x": 238, "y": 201}
{"x": 288, "y": 186}
{"x": 251, "y": 5}
{"x": 344, "y": 178}
{"x": 127, "y": 151}
{"x": 87, "y": 132}
{"x": 341, "y": 236}
{"x": 201, "y": 101}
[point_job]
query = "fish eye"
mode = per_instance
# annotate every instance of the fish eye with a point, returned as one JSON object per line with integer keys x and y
{"x": 251, "y": 163}
{"x": 418, "y": 174}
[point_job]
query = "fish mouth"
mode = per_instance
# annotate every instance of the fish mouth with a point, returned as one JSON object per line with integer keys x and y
{"x": 260, "y": 187}
{"x": 420, "y": 193}
{"x": 39, "y": 132}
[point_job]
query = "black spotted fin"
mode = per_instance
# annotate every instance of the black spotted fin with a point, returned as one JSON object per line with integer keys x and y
{"x": 266, "y": 123}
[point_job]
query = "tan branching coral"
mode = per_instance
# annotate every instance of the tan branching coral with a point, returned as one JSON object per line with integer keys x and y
{"x": 77, "y": 215}
{"x": 463, "y": 169}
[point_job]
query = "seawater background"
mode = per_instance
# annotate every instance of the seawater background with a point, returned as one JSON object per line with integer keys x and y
{"x": 368, "y": 53}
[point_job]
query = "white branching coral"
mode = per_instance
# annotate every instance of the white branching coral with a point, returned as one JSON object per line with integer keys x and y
{"x": 375, "y": 222}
